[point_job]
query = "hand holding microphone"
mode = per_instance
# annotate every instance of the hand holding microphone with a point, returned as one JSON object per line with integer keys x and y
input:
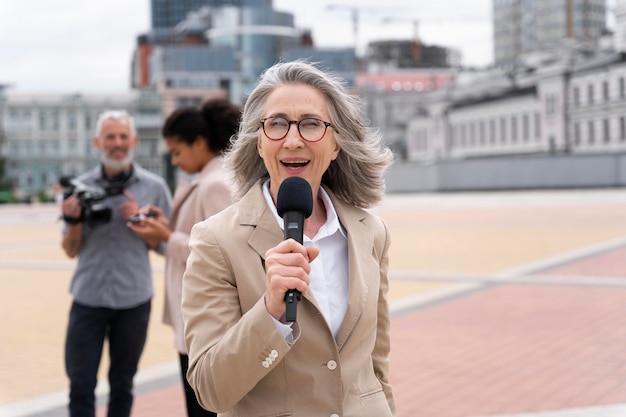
{"x": 287, "y": 264}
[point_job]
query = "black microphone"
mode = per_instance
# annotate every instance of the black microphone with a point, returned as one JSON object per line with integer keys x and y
{"x": 294, "y": 204}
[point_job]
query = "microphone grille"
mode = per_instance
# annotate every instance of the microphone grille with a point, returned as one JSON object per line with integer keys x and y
{"x": 294, "y": 194}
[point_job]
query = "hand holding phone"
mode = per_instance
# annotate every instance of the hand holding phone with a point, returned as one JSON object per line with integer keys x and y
{"x": 137, "y": 218}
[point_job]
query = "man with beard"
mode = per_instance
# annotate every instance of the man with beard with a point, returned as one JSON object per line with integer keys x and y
{"x": 112, "y": 284}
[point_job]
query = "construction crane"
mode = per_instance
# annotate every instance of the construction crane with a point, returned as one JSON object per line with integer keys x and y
{"x": 417, "y": 45}
{"x": 355, "y": 12}
{"x": 415, "y": 23}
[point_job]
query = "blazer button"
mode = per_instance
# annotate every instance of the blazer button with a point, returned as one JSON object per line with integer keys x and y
{"x": 266, "y": 364}
{"x": 273, "y": 354}
{"x": 331, "y": 364}
{"x": 334, "y": 415}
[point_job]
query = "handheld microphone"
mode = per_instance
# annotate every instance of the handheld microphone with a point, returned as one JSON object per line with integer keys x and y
{"x": 294, "y": 204}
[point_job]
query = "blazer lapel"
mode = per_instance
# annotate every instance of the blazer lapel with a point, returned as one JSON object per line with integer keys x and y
{"x": 267, "y": 233}
{"x": 254, "y": 212}
{"x": 360, "y": 243}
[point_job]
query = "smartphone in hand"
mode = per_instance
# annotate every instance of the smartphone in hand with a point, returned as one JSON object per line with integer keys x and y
{"x": 136, "y": 218}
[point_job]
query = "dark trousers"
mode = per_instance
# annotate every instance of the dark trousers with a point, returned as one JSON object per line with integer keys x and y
{"x": 87, "y": 329}
{"x": 193, "y": 408}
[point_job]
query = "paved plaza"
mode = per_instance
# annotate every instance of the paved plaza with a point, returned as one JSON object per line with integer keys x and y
{"x": 508, "y": 304}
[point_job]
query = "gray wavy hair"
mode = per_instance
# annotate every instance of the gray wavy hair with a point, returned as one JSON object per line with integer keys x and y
{"x": 115, "y": 115}
{"x": 355, "y": 176}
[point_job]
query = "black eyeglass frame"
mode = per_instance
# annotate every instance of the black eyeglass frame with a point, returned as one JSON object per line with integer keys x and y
{"x": 297, "y": 123}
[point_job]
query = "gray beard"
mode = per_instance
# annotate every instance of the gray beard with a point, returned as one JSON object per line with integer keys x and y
{"x": 114, "y": 164}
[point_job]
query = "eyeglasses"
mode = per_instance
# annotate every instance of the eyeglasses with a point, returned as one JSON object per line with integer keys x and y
{"x": 311, "y": 130}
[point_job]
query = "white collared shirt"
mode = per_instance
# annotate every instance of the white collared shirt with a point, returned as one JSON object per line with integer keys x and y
{"x": 329, "y": 271}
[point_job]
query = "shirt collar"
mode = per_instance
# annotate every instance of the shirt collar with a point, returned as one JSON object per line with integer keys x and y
{"x": 329, "y": 228}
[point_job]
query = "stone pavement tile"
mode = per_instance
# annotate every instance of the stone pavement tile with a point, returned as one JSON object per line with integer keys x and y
{"x": 610, "y": 263}
{"x": 488, "y": 239}
{"x": 33, "y": 311}
{"x": 165, "y": 402}
{"x": 510, "y": 349}
{"x": 493, "y": 349}
{"x": 618, "y": 410}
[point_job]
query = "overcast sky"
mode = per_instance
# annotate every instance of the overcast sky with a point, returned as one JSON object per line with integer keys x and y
{"x": 86, "y": 46}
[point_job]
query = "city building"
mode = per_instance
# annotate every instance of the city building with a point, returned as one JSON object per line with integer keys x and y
{"x": 525, "y": 28}
{"x": 402, "y": 54}
{"x": 568, "y": 107}
{"x": 550, "y": 94}
{"x": 221, "y": 45}
{"x": 392, "y": 98}
{"x": 47, "y": 136}
{"x": 166, "y": 14}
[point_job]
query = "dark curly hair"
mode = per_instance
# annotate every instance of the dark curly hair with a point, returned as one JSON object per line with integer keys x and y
{"x": 215, "y": 121}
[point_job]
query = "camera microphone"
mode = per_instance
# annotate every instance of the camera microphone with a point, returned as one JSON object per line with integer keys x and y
{"x": 66, "y": 181}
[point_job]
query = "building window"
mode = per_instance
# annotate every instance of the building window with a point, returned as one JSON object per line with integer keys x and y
{"x": 525, "y": 128}
{"x": 481, "y": 132}
{"x": 154, "y": 148}
{"x": 606, "y": 130}
{"x": 503, "y": 130}
{"x": 27, "y": 150}
{"x": 54, "y": 116}
{"x": 54, "y": 147}
{"x": 514, "y": 128}
{"x": 591, "y": 135}
{"x": 72, "y": 147}
{"x": 188, "y": 101}
{"x": 590, "y": 93}
{"x": 538, "y": 126}
{"x": 462, "y": 135}
{"x": 452, "y": 140}
{"x": 492, "y": 131}
{"x": 605, "y": 90}
{"x": 576, "y": 96}
{"x": 622, "y": 88}
{"x": 622, "y": 129}
{"x": 71, "y": 120}
{"x": 88, "y": 122}
{"x": 576, "y": 134}
{"x": 551, "y": 104}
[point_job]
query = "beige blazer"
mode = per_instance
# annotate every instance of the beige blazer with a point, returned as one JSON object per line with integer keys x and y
{"x": 240, "y": 365}
{"x": 207, "y": 195}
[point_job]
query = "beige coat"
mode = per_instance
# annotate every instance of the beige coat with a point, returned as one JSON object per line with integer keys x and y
{"x": 208, "y": 195}
{"x": 240, "y": 365}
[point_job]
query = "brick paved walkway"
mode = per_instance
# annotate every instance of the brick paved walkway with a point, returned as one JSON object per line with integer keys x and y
{"x": 510, "y": 305}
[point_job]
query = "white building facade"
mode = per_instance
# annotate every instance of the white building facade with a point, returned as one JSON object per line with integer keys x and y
{"x": 46, "y": 136}
{"x": 578, "y": 109}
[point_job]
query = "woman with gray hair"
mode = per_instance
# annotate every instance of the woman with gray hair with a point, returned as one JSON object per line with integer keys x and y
{"x": 249, "y": 354}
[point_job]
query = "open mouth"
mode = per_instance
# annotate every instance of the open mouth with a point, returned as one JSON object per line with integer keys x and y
{"x": 294, "y": 164}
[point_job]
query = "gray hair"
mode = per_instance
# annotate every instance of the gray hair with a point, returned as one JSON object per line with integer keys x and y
{"x": 115, "y": 115}
{"x": 355, "y": 176}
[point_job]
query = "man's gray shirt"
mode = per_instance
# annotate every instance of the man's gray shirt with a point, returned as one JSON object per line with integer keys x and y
{"x": 113, "y": 268}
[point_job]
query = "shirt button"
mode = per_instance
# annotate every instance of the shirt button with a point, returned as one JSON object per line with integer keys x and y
{"x": 332, "y": 365}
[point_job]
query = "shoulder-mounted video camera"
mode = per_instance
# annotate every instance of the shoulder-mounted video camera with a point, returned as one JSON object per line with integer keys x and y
{"x": 93, "y": 211}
